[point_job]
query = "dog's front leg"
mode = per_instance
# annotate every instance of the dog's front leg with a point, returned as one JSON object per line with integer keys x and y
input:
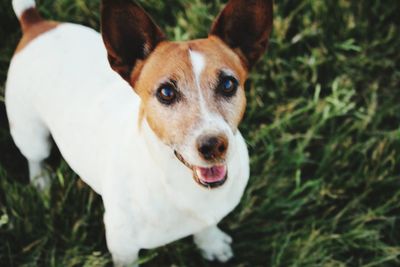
{"x": 214, "y": 244}
{"x": 121, "y": 238}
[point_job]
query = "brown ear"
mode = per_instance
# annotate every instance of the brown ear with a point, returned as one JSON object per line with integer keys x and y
{"x": 245, "y": 26}
{"x": 129, "y": 35}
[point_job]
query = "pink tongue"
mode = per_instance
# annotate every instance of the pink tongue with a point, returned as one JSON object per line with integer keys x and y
{"x": 211, "y": 175}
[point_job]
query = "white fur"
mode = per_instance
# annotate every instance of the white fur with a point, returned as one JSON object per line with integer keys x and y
{"x": 62, "y": 84}
{"x": 20, "y": 6}
{"x": 198, "y": 64}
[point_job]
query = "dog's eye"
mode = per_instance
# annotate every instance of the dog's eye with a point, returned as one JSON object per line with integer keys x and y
{"x": 228, "y": 86}
{"x": 167, "y": 94}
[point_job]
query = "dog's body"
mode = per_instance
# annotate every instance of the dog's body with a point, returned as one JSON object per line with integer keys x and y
{"x": 60, "y": 83}
{"x": 92, "y": 114}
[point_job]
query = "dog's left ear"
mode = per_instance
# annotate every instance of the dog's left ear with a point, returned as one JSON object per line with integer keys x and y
{"x": 129, "y": 35}
{"x": 245, "y": 26}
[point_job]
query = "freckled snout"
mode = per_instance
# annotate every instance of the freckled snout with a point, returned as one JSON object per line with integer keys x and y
{"x": 212, "y": 147}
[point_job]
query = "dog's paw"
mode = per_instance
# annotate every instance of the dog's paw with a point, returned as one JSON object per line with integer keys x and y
{"x": 214, "y": 245}
{"x": 39, "y": 176}
{"x": 42, "y": 182}
{"x": 122, "y": 264}
{"x": 125, "y": 261}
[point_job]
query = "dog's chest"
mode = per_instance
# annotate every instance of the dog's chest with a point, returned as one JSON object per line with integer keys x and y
{"x": 162, "y": 209}
{"x": 170, "y": 205}
{"x": 165, "y": 223}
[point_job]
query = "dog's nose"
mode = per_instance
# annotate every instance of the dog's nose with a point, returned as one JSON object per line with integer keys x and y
{"x": 212, "y": 147}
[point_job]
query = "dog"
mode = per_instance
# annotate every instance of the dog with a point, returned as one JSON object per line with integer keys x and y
{"x": 157, "y": 137}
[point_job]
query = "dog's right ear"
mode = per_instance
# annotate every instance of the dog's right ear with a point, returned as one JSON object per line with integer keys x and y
{"x": 129, "y": 35}
{"x": 245, "y": 26}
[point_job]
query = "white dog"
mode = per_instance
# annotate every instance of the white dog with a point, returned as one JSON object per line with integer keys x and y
{"x": 166, "y": 157}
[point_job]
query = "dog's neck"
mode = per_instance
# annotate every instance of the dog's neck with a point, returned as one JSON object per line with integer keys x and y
{"x": 162, "y": 155}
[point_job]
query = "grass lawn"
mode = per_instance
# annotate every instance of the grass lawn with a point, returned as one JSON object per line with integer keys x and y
{"x": 323, "y": 130}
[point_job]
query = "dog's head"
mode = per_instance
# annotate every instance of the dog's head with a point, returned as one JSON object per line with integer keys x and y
{"x": 192, "y": 92}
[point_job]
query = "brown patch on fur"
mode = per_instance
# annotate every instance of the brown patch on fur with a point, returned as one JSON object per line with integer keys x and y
{"x": 33, "y": 25}
{"x": 169, "y": 62}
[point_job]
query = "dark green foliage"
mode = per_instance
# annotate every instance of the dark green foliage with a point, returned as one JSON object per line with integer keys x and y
{"x": 322, "y": 125}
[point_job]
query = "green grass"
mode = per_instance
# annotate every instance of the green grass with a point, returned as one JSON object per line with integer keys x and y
{"x": 323, "y": 128}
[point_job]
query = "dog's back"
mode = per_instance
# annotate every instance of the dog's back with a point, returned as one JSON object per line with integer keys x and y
{"x": 59, "y": 81}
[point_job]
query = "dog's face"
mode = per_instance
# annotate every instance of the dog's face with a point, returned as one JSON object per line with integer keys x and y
{"x": 192, "y": 92}
{"x": 195, "y": 102}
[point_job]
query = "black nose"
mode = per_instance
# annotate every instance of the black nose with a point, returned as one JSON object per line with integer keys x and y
{"x": 212, "y": 147}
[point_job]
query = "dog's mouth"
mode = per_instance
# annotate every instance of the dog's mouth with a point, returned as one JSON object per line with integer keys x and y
{"x": 211, "y": 177}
